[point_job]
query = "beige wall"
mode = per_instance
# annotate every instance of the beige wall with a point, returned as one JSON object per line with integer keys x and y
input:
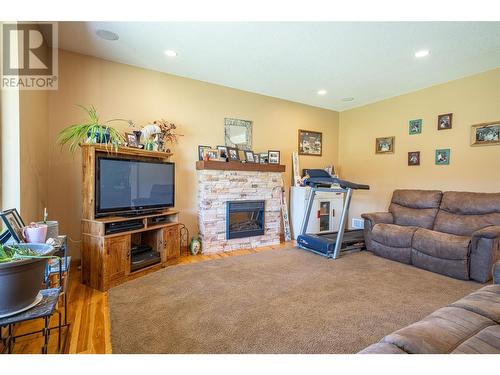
{"x": 197, "y": 108}
{"x": 472, "y": 100}
{"x": 34, "y": 156}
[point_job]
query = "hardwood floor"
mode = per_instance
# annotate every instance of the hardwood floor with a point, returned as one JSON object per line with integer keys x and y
{"x": 88, "y": 313}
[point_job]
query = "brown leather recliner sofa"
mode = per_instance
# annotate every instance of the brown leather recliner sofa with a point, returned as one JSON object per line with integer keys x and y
{"x": 469, "y": 326}
{"x": 453, "y": 233}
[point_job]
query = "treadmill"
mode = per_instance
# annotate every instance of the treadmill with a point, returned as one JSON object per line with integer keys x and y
{"x": 330, "y": 244}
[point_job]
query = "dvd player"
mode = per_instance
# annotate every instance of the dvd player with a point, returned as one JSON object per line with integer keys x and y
{"x": 123, "y": 226}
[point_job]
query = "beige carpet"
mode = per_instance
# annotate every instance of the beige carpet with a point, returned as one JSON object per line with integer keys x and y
{"x": 288, "y": 301}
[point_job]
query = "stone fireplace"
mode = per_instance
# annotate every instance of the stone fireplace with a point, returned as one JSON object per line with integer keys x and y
{"x": 251, "y": 201}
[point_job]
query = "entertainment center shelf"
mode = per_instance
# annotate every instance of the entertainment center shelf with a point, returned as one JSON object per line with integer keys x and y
{"x": 116, "y": 249}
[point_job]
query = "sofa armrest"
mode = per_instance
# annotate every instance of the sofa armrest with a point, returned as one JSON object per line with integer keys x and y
{"x": 496, "y": 273}
{"x": 485, "y": 252}
{"x": 492, "y": 232}
{"x": 378, "y": 217}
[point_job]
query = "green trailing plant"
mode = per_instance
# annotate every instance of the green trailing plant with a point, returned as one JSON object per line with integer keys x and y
{"x": 11, "y": 253}
{"x": 90, "y": 131}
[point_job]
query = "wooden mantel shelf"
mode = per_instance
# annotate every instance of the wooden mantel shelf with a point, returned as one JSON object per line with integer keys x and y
{"x": 237, "y": 166}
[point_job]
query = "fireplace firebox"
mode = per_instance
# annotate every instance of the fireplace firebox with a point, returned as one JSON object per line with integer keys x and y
{"x": 244, "y": 219}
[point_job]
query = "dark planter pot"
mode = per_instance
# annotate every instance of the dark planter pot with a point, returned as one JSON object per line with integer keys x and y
{"x": 105, "y": 136}
{"x": 21, "y": 280}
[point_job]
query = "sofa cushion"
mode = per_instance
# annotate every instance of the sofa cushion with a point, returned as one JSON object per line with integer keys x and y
{"x": 440, "y": 332}
{"x": 486, "y": 341}
{"x": 415, "y": 207}
{"x": 463, "y": 213}
{"x": 485, "y": 302}
{"x": 441, "y": 245}
{"x": 393, "y": 235}
{"x": 456, "y": 268}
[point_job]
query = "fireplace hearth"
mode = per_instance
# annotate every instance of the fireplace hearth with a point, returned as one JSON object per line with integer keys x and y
{"x": 244, "y": 219}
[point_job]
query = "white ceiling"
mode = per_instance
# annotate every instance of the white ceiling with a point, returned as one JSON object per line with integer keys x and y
{"x": 369, "y": 61}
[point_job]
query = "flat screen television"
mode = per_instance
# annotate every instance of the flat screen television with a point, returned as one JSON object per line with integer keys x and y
{"x": 132, "y": 186}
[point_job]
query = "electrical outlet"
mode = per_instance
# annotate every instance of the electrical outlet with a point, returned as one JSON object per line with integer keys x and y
{"x": 358, "y": 223}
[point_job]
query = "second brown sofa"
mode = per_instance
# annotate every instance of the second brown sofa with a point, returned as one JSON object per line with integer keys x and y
{"x": 453, "y": 233}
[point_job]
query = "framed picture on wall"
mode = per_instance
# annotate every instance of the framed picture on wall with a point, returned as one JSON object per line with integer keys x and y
{"x": 310, "y": 143}
{"x": 445, "y": 121}
{"x": 414, "y": 158}
{"x": 485, "y": 134}
{"x": 443, "y": 156}
{"x": 384, "y": 145}
{"x": 415, "y": 127}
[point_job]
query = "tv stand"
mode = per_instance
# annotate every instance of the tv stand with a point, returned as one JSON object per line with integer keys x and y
{"x": 138, "y": 213}
{"x": 107, "y": 254}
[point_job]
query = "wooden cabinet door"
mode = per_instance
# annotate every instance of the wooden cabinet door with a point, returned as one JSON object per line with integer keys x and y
{"x": 118, "y": 256}
{"x": 171, "y": 242}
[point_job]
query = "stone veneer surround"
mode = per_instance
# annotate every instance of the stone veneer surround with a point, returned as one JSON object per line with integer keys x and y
{"x": 216, "y": 187}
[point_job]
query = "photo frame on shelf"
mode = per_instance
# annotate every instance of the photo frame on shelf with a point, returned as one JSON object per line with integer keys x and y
{"x": 485, "y": 134}
{"x": 201, "y": 149}
{"x": 443, "y": 156}
{"x": 384, "y": 145}
{"x": 211, "y": 154}
{"x": 264, "y": 158}
{"x": 249, "y": 156}
{"x": 132, "y": 140}
{"x": 256, "y": 158}
{"x": 310, "y": 143}
{"x": 233, "y": 154}
{"x": 223, "y": 152}
{"x": 415, "y": 127}
{"x": 414, "y": 158}
{"x": 14, "y": 224}
{"x": 445, "y": 121}
{"x": 273, "y": 157}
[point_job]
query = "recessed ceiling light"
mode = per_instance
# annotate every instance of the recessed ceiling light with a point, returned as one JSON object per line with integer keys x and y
{"x": 170, "y": 53}
{"x": 322, "y": 92}
{"x": 107, "y": 35}
{"x": 348, "y": 99}
{"x": 422, "y": 53}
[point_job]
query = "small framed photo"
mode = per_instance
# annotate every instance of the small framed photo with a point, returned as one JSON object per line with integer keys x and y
{"x": 14, "y": 224}
{"x": 264, "y": 158}
{"x": 223, "y": 152}
{"x": 256, "y": 158}
{"x": 414, "y": 158}
{"x": 444, "y": 121}
{"x": 443, "y": 156}
{"x": 249, "y": 158}
{"x": 486, "y": 134}
{"x": 201, "y": 149}
{"x": 415, "y": 127}
{"x": 233, "y": 153}
{"x": 273, "y": 157}
{"x": 310, "y": 143}
{"x": 211, "y": 154}
{"x": 132, "y": 140}
{"x": 384, "y": 145}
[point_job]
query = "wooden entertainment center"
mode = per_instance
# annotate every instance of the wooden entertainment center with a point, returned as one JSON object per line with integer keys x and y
{"x": 106, "y": 255}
